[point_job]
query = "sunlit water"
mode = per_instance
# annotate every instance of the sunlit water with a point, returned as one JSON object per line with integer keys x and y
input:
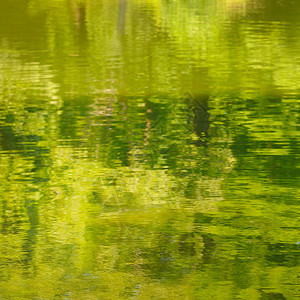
{"x": 149, "y": 149}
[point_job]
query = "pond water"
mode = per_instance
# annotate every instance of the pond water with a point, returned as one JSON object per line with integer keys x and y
{"x": 149, "y": 149}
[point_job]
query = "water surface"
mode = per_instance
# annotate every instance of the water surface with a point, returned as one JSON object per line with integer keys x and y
{"x": 149, "y": 149}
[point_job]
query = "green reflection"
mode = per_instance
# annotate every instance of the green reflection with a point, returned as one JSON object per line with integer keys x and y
{"x": 148, "y": 149}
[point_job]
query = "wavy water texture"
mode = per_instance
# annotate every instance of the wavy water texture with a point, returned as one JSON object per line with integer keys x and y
{"x": 149, "y": 149}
